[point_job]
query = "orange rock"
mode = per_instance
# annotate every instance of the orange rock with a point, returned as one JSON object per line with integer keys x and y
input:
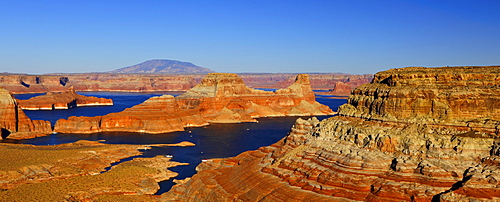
{"x": 15, "y": 124}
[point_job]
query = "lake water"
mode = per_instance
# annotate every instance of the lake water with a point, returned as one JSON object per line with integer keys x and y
{"x": 212, "y": 141}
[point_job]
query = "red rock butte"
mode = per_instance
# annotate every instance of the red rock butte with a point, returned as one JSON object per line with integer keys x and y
{"x": 15, "y": 124}
{"x": 412, "y": 134}
{"x": 65, "y": 100}
{"x": 219, "y": 98}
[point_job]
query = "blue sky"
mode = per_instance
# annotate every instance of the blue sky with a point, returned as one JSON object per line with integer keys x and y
{"x": 247, "y": 36}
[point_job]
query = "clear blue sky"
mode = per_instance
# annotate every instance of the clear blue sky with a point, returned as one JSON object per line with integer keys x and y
{"x": 248, "y": 36}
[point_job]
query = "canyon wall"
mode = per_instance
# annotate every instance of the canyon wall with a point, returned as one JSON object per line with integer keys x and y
{"x": 15, "y": 124}
{"x": 64, "y": 100}
{"x": 17, "y": 83}
{"x": 219, "y": 98}
{"x": 374, "y": 152}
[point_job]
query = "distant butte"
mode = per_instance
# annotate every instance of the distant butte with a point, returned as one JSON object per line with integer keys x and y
{"x": 64, "y": 100}
{"x": 220, "y": 98}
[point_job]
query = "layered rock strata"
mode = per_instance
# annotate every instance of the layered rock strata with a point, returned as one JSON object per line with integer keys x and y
{"x": 220, "y": 98}
{"x": 15, "y": 124}
{"x": 17, "y": 83}
{"x": 64, "y": 100}
{"x": 365, "y": 156}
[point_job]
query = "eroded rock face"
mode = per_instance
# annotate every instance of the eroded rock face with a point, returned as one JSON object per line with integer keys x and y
{"x": 220, "y": 98}
{"x": 64, "y": 100}
{"x": 15, "y": 124}
{"x": 363, "y": 157}
{"x": 462, "y": 96}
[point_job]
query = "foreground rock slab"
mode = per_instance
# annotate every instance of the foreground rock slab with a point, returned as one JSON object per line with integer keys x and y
{"x": 76, "y": 172}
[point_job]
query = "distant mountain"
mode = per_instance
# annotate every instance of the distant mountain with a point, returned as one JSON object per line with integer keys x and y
{"x": 164, "y": 67}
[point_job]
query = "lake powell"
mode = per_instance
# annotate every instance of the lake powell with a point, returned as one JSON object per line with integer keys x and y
{"x": 212, "y": 141}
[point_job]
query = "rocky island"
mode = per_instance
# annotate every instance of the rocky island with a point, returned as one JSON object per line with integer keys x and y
{"x": 220, "y": 98}
{"x": 65, "y": 100}
{"x": 412, "y": 134}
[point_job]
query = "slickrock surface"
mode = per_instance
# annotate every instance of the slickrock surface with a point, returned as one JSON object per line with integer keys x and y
{"x": 15, "y": 124}
{"x": 220, "y": 98}
{"x": 65, "y": 100}
{"x": 18, "y": 83}
{"x": 76, "y": 172}
{"x": 413, "y": 156}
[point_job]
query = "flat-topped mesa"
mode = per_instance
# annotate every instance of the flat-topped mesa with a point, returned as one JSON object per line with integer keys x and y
{"x": 219, "y": 85}
{"x": 15, "y": 124}
{"x": 65, "y": 100}
{"x": 461, "y": 96}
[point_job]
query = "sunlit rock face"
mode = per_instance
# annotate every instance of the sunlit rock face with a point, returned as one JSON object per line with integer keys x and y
{"x": 65, "y": 100}
{"x": 410, "y": 154}
{"x": 15, "y": 124}
{"x": 220, "y": 98}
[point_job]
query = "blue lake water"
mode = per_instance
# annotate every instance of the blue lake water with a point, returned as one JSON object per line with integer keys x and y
{"x": 212, "y": 141}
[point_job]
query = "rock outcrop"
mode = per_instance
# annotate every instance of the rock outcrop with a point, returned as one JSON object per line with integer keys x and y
{"x": 220, "y": 98}
{"x": 410, "y": 154}
{"x": 15, "y": 124}
{"x": 65, "y": 100}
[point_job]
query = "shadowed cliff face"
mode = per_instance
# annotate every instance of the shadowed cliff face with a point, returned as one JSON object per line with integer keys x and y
{"x": 15, "y": 124}
{"x": 220, "y": 98}
{"x": 411, "y": 154}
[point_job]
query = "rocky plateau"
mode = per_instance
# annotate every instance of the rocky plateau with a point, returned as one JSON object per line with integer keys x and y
{"x": 412, "y": 134}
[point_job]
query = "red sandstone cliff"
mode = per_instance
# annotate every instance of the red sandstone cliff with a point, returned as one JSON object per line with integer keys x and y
{"x": 413, "y": 134}
{"x": 222, "y": 98}
{"x": 15, "y": 124}
{"x": 65, "y": 100}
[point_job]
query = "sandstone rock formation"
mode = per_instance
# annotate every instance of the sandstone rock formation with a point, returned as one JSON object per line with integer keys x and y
{"x": 64, "y": 100}
{"x": 220, "y": 98}
{"x": 20, "y": 83}
{"x": 15, "y": 124}
{"x": 374, "y": 152}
